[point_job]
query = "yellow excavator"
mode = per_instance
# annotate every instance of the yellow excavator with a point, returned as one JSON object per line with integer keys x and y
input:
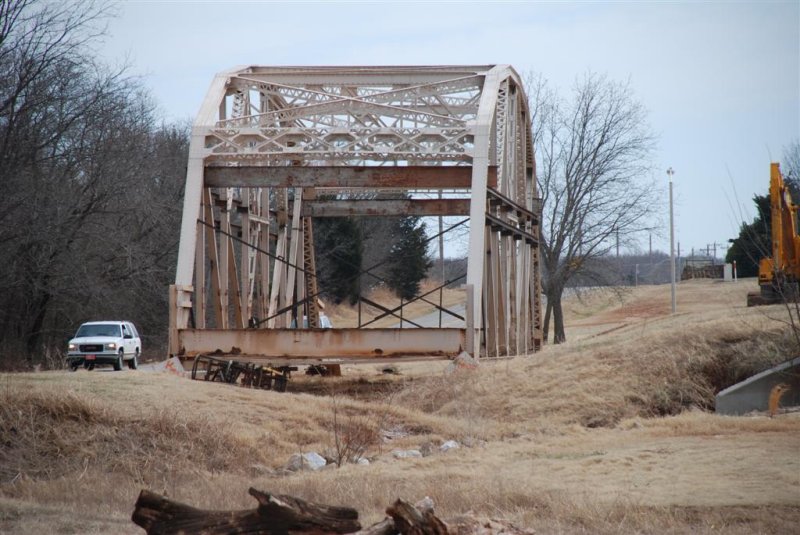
{"x": 779, "y": 274}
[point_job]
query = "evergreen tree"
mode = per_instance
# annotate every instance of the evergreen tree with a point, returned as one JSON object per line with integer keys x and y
{"x": 408, "y": 258}
{"x": 753, "y": 242}
{"x": 393, "y": 248}
{"x": 340, "y": 249}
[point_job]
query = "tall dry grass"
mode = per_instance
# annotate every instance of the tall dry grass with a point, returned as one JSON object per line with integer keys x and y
{"x": 605, "y": 434}
{"x": 649, "y": 367}
{"x": 47, "y": 434}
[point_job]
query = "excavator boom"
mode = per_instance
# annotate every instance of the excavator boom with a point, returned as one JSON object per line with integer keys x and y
{"x": 778, "y": 275}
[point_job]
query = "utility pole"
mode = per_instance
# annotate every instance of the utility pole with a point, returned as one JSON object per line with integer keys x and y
{"x": 441, "y": 262}
{"x": 670, "y": 172}
{"x": 619, "y": 262}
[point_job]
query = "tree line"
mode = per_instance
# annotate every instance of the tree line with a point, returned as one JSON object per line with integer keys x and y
{"x": 93, "y": 189}
{"x": 92, "y": 184}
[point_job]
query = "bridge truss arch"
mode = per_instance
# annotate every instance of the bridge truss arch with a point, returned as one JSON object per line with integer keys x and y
{"x": 274, "y": 147}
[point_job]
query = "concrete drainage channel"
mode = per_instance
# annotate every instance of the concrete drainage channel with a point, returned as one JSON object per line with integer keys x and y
{"x": 754, "y": 393}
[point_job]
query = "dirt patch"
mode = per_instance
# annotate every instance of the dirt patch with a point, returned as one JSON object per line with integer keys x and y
{"x": 361, "y": 388}
{"x": 639, "y": 309}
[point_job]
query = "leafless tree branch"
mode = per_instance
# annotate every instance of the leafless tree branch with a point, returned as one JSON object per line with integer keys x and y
{"x": 593, "y": 163}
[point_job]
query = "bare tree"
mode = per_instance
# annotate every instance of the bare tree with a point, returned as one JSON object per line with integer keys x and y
{"x": 593, "y": 162}
{"x": 89, "y": 216}
{"x": 791, "y": 164}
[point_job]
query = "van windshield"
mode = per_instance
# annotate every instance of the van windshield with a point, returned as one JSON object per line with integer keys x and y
{"x": 99, "y": 329}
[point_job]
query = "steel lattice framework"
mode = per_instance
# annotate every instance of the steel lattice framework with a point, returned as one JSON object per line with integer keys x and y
{"x": 274, "y": 147}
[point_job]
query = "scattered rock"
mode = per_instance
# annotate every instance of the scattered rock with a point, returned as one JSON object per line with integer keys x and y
{"x": 329, "y": 456}
{"x": 306, "y": 461}
{"x": 472, "y": 442}
{"x": 261, "y": 470}
{"x": 463, "y": 361}
{"x": 449, "y": 445}
{"x": 363, "y": 461}
{"x": 406, "y": 454}
{"x": 389, "y": 369}
{"x": 427, "y": 449}
{"x": 391, "y": 434}
{"x": 484, "y": 526}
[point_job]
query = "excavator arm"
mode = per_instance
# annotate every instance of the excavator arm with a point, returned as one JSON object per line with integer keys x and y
{"x": 778, "y": 275}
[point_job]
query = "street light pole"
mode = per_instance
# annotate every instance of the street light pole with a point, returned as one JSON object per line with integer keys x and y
{"x": 670, "y": 172}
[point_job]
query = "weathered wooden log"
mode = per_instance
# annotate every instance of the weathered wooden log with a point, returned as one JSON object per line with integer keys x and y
{"x": 419, "y": 519}
{"x": 284, "y": 515}
{"x": 278, "y": 515}
{"x": 384, "y": 527}
{"x": 416, "y": 520}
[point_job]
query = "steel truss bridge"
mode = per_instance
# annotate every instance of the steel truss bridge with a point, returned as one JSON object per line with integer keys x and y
{"x": 273, "y": 148}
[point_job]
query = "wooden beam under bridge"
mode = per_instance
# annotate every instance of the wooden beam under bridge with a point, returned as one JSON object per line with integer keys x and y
{"x": 349, "y": 344}
{"x": 410, "y": 177}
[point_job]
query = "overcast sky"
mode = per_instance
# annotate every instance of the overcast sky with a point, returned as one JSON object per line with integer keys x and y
{"x": 720, "y": 80}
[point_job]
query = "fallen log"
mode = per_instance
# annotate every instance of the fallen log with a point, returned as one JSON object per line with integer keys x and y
{"x": 384, "y": 527}
{"x": 416, "y": 519}
{"x": 284, "y": 515}
{"x": 277, "y": 515}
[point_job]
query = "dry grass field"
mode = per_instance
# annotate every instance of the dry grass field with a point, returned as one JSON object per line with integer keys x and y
{"x": 611, "y": 432}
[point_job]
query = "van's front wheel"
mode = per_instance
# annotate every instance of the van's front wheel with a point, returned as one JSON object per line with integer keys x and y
{"x": 118, "y": 362}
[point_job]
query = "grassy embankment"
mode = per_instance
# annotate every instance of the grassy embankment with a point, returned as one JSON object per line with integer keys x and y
{"x": 611, "y": 432}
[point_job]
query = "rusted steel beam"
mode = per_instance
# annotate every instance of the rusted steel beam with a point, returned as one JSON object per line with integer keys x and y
{"x": 506, "y": 204}
{"x": 404, "y": 207}
{"x": 416, "y": 176}
{"x": 322, "y": 343}
{"x": 507, "y": 229}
